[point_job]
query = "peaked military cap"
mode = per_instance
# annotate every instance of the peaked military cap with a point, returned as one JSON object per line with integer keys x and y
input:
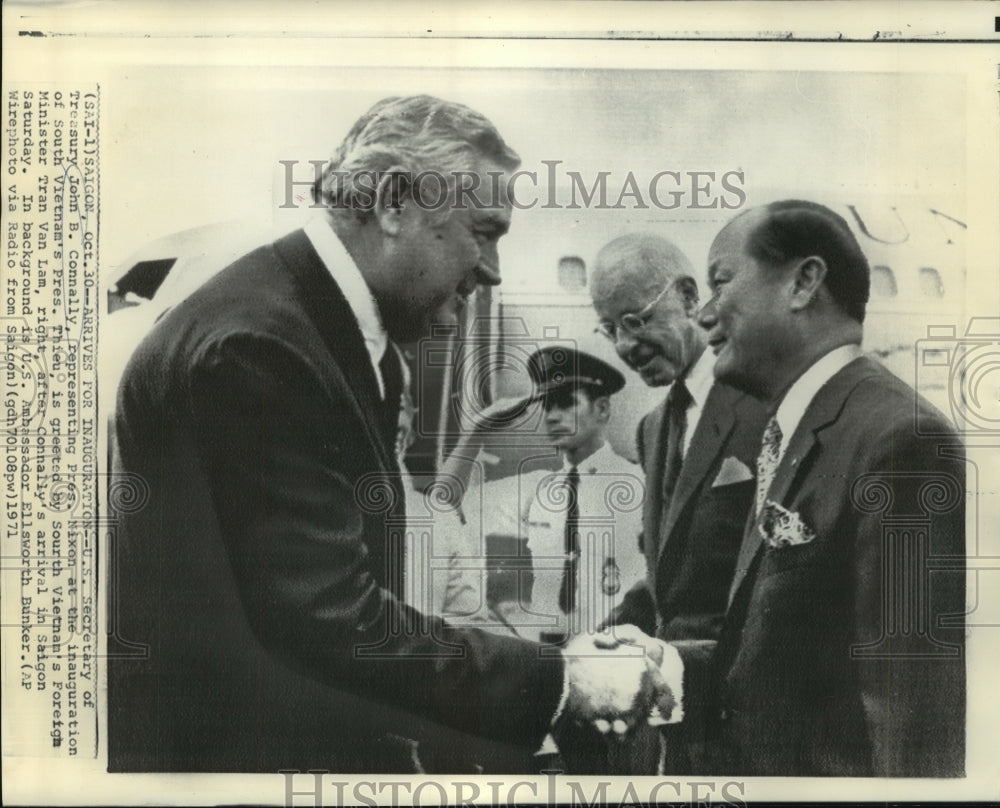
{"x": 555, "y": 367}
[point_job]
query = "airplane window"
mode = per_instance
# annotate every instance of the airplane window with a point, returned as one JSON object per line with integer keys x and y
{"x": 883, "y": 282}
{"x": 930, "y": 283}
{"x": 572, "y": 273}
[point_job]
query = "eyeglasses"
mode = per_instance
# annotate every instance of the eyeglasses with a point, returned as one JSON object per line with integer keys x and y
{"x": 632, "y": 323}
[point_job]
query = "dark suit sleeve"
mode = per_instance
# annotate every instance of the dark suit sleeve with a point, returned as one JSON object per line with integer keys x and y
{"x": 638, "y": 607}
{"x": 284, "y": 447}
{"x": 697, "y": 658}
{"x": 908, "y": 633}
{"x": 640, "y": 448}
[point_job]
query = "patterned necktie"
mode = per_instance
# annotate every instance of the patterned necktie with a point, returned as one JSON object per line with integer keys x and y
{"x": 678, "y": 401}
{"x": 767, "y": 460}
{"x": 567, "y": 590}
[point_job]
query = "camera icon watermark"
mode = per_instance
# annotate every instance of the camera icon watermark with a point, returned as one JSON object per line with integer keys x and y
{"x": 967, "y": 369}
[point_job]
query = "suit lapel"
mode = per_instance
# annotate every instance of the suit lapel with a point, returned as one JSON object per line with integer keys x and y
{"x": 336, "y": 323}
{"x": 824, "y": 410}
{"x": 713, "y": 429}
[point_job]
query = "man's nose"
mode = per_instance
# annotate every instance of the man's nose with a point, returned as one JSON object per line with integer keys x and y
{"x": 555, "y": 415}
{"x": 707, "y": 316}
{"x": 488, "y": 268}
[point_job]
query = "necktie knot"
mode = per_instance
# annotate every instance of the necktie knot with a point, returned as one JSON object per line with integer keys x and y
{"x": 680, "y": 396}
{"x": 678, "y": 401}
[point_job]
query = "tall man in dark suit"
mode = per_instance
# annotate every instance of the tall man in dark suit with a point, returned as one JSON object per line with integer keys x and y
{"x": 258, "y": 620}
{"x": 697, "y": 448}
{"x": 841, "y": 653}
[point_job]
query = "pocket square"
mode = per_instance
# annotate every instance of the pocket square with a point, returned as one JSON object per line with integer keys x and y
{"x": 732, "y": 471}
{"x": 782, "y": 527}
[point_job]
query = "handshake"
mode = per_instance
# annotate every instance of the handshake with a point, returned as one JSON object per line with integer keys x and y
{"x": 620, "y": 683}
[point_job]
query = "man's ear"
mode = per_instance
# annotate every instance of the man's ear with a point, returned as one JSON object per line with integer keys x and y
{"x": 602, "y": 406}
{"x": 392, "y": 195}
{"x": 806, "y": 281}
{"x": 687, "y": 288}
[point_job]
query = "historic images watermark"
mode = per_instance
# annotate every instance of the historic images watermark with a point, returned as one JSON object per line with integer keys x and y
{"x": 319, "y": 788}
{"x": 552, "y": 186}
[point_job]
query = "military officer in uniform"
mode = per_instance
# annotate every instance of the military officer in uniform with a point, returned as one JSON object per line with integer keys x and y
{"x": 581, "y": 523}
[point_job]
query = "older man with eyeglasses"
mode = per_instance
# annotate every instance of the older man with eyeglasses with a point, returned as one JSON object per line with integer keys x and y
{"x": 698, "y": 448}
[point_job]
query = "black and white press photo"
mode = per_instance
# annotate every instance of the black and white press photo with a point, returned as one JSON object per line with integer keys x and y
{"x": 499, "y": 415}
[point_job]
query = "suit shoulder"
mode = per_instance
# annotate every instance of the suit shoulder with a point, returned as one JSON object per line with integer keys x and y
{"x": 882, "y": 402}
{"x": 255, "y": 297}
{"x": 883, "y": 421}
{"x": 254, "y": 294}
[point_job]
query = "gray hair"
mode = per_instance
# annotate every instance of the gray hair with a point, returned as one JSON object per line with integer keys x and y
{"x": 418, "y": 134}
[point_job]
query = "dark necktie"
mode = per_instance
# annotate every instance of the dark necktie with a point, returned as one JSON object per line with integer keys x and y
{"x": 678, "y": 401}
{"x": 392, "y": 381}
{"x": 567, "y": 591}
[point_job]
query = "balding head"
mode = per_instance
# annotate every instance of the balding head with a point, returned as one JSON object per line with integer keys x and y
{"x": 789, "y": 285}
{"x": 640, "y": 262}
{"x": 646, "y": 280}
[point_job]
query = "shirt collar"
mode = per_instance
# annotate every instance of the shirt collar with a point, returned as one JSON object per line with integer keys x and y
{"x": 800, "y": 395}
{"x": 592, "y": 463}
{"x": 345, "y": 272}
{"x": 701, "y": 377}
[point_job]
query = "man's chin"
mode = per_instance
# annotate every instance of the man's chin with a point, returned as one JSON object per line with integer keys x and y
{"x": 723, "y": 370}
{"x": 656, "y": 373}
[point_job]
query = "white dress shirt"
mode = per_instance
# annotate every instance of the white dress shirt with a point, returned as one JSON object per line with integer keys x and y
{"x": 533, "y": 505}
{"x": 699, "y": 383}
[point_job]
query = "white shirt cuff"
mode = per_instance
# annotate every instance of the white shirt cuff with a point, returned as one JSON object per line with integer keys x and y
{"x": 672, "y": 670}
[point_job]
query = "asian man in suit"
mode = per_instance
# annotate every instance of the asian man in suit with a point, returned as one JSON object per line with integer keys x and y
{"x": 258, "y": 615}
{"x": 842, "y": 650}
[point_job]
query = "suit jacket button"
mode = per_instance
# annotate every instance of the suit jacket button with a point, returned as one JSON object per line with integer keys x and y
{"x": 724, "y": 714}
